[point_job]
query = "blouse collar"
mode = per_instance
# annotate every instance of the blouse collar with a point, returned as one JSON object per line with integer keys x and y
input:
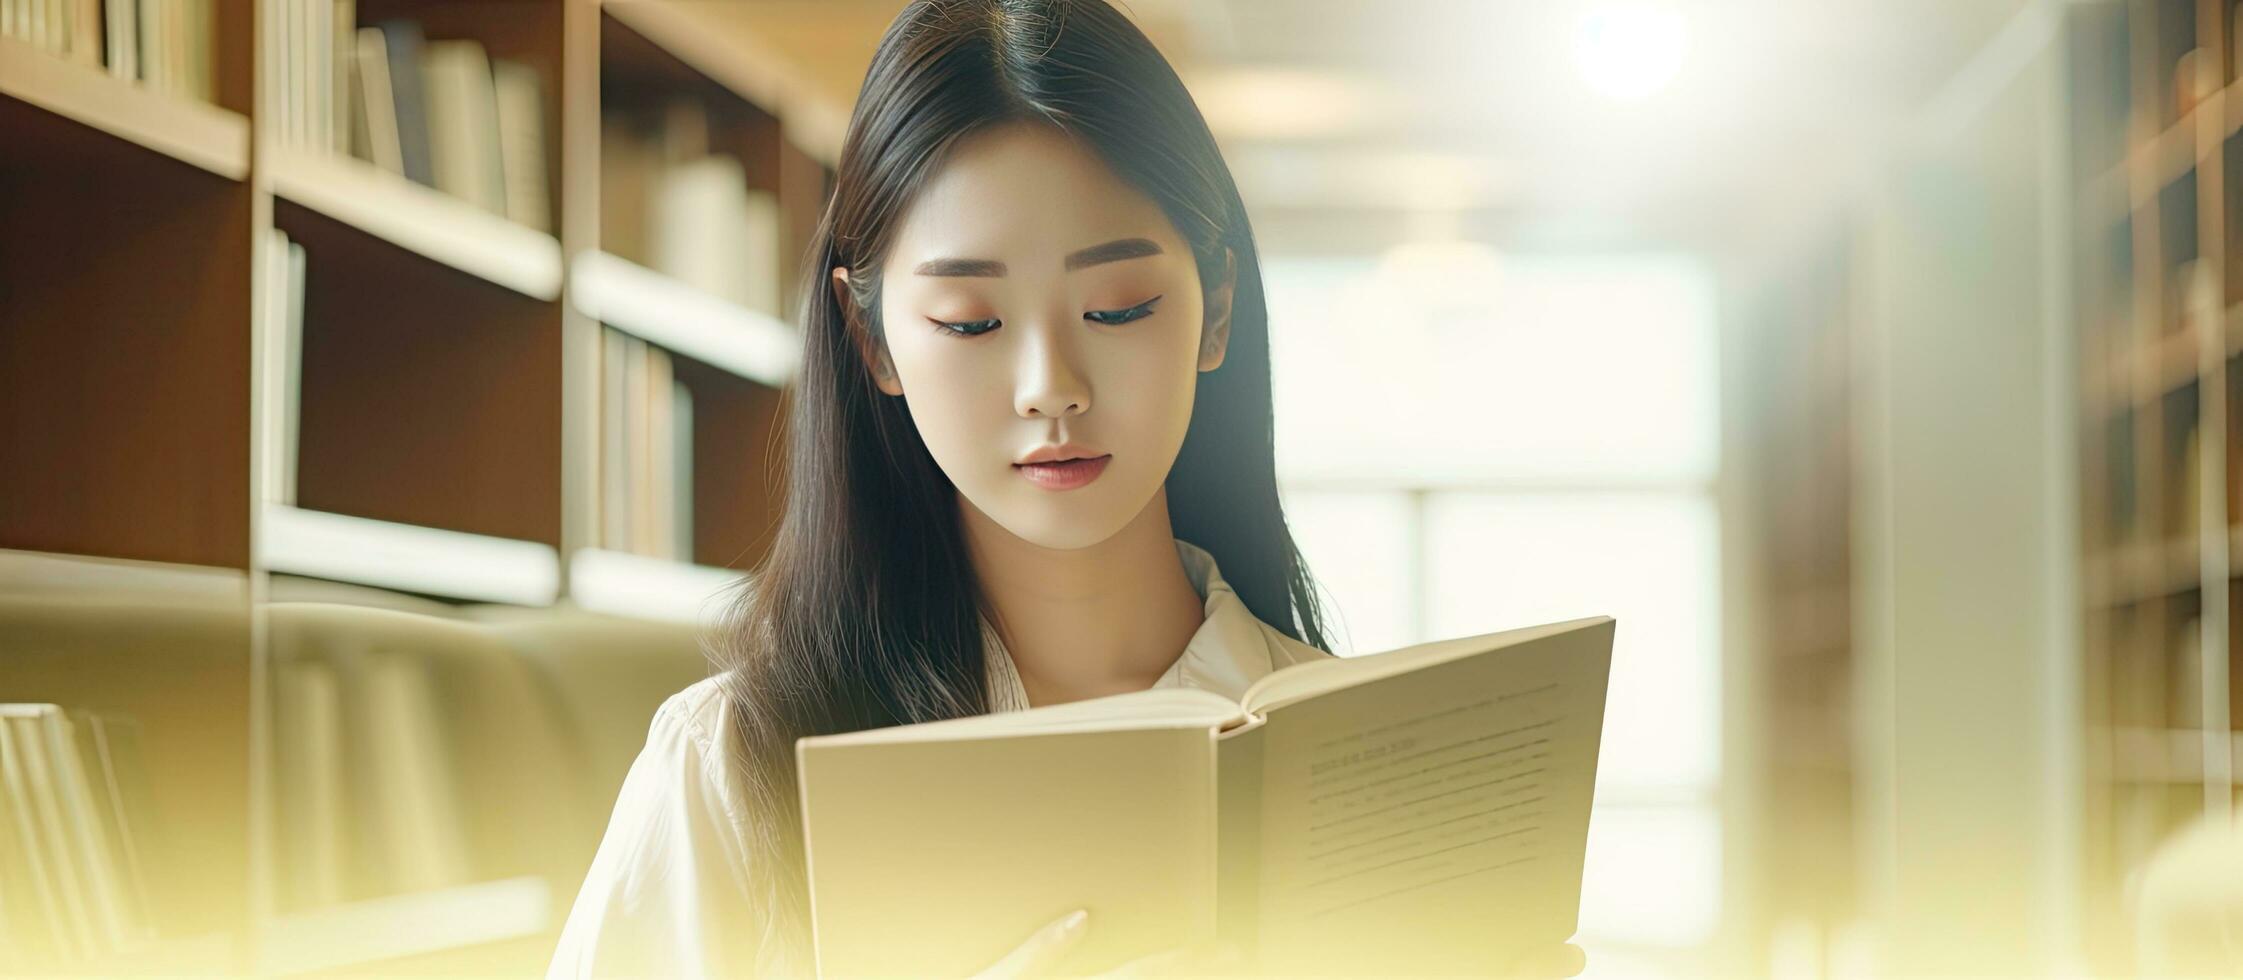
{"x": 1227, "y": 654}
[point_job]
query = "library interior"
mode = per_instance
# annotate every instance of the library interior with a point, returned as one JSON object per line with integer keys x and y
{"x": 395, "y": 394}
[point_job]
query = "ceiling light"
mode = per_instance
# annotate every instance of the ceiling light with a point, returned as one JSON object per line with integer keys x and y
{"x": 1630, "y": 50}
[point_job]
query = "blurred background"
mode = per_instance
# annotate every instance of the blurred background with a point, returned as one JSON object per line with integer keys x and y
{"x": 388, "y": 386}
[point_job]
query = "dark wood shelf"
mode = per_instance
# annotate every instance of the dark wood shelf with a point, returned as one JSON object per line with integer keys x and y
{"x": 442, "y": 457}
{"x": 685, "y": 320}
{"x": 423, "y": 221}
{"x": 429, "y": 397}
{"x": 124, "y": 382}
{"x": 55, "y": 108}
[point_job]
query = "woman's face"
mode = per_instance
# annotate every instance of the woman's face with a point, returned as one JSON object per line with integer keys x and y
{"x": 1084, "y": 325}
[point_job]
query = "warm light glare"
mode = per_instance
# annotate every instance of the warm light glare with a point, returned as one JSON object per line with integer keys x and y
{"x": 1448, "y": 275}
{"x": 1630, "y": 51}
{"x": 1520, "y": 368}
{"x": 1281, "y": 103}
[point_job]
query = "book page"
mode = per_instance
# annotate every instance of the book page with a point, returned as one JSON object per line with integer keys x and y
{"x": 938, "y": 858}
{"x": 1434, "y": 818}
{"x": 1159, "y": 707}
{"x": 1319, "y": 676}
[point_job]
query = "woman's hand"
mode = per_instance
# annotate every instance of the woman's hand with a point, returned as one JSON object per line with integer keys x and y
{"x": 1041, "y": 953}
{"x": 1043, "y": 949}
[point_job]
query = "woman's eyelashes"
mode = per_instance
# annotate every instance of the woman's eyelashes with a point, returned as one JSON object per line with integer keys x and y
{"x": 1113, "y": 317}
{"x": 969, "y": 328}
{"x": 975, "y": 328}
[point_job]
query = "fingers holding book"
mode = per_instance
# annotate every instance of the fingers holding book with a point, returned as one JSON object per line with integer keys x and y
{"x": 1042, "y": 950}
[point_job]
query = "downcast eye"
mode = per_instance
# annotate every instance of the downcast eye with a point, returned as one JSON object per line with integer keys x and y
{"x": 969, "y": 328}
{"x": 1112, "y": 317}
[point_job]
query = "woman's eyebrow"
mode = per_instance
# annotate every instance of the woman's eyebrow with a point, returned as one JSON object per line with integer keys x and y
{"x": 1113, "y": 251}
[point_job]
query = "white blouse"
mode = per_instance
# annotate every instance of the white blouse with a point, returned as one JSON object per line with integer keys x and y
{"x": 667, "y": 893}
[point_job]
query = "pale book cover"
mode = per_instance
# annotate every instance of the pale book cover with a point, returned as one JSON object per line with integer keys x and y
{"x": 521, "y": 142}
{"x": 1421, "y": 809}
{"x": 462, "y": 123}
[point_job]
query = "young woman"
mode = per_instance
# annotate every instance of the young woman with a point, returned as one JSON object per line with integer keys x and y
{"x": 1031, "y": 463}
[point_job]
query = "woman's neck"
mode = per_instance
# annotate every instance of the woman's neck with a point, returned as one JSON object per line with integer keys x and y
{"x": 1082, "y": 623}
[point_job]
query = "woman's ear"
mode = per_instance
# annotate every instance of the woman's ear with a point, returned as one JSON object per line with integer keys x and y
{"x": 1215, "y": 332}
{"x": 873, "y": 351}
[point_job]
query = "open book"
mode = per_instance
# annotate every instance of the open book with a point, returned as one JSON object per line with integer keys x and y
{"x": 1421, "y": 809}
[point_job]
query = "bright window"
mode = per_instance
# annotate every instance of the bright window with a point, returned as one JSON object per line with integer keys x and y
{"x": 1470, "y": 441}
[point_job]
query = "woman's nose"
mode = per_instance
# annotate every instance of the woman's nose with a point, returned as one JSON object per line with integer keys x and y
{"x": 1049, "y": 384}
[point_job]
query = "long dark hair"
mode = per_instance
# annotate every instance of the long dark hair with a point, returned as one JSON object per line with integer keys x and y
{"x": 866, "y": 612}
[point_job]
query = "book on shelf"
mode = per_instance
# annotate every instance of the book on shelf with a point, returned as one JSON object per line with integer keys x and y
{"x": 305, "y": 69}
{"x": 63, "y": 926}
{"x": 639, "y": 367}
{"x": 654, "y": 483}
{"x": 402, "y": 43}
{"x": 282, "y": 368}
{"x": 615, "y": 475}
{"x": 518, "y": 100}
{"x": 337, "y": 43}
{"x": 48, "y": 24}
{"x": 441, "y": 112}
{"x": 164, "y": 44}
{"x": 646, "y": 451}
{"x": 129, "y": 809}
{"x": 674, "y": 470}
{"x": 369, "y": 793}
{"x": 75, "y": 821}
{"x": 715, "y": 233}
{"x": 120, "y": 34}
{"x": 672, "y": 203}
{"x": 373, "y": 105}
{"x": 1422, "y": 808}
{"x": 415, "y": 810}
{"x": 463, "y": 123}
{"x": 311, "y": 786}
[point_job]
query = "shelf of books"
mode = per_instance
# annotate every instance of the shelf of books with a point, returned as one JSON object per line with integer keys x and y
{"x": 2157, "y": 156}
{"x": 120, "y": 745}
{"x": 705, "y": 167}
{"x": 111, "y": 106}
{"x": 1796, "y": 392}
{"x": 477, "y": 306}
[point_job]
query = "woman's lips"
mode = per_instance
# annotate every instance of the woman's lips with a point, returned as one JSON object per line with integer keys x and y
{"x": 1064, "y": 476}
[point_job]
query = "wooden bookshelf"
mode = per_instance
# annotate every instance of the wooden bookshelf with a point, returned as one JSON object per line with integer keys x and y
{"x": 2157, "y": 160}
{"x": 724, "y": 335}
{"x": 213, "y": 138}
{"x": 407, "y": 557}
{"x": 625, "y": 584}
{"x": 168, "y": 646}
{"x": 448, "y": 386}
{"x": 116, "y": 259}
{"x": 418, "y": 219}
{"x": 735, "y": 361}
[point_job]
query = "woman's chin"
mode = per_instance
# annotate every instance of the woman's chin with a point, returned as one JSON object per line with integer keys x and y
{"x": 1061, "y": 528}
{"x": 1060, "y": 521}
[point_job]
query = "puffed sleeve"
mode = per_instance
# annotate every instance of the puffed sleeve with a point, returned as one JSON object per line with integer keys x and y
{"x": 667, "y": 894}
